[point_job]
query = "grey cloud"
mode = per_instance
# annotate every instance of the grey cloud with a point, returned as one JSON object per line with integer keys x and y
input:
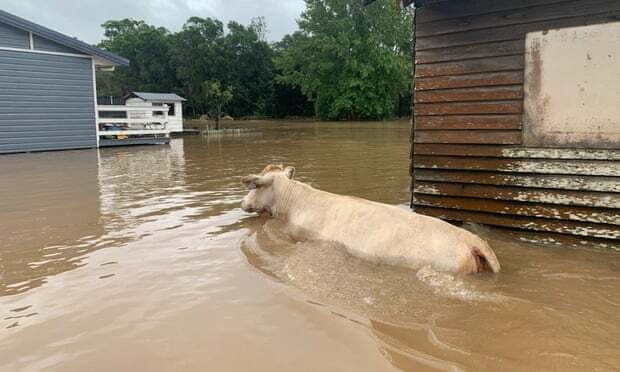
{"x": 83, "y": 18}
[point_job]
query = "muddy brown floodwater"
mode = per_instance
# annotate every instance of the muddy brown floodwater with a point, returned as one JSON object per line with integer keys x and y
{"x": 139, "y": 259}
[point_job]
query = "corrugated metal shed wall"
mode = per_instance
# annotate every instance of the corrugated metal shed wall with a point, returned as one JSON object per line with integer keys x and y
{"x": 469, "y": 163}
{"x": 46, "y": 102}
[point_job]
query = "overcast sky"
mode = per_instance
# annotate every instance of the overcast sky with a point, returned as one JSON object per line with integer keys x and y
{"x": 83, "y": 18}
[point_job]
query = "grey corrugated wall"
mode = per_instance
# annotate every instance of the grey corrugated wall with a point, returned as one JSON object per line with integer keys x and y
{"x": 50, "y": 46}
{"x": 46, "y": 102}
{"x": 13, "y": 38}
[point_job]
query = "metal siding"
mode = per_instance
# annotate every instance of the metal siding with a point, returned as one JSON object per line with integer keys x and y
{"x": 56, "y": 37}
{"x": 467, "y": 161}
{"x": 46, "y": 102}
{"x": 50, "y": 46}
{"x": 12, "y": 37}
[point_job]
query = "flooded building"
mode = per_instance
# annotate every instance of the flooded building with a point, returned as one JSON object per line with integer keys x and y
{"x": 48, "y": 97}
{"x": 140, "y": 118}
{"x": 517, "y": 114}
{"x": 47, "y": 88}
{"x": 172, "y": 101}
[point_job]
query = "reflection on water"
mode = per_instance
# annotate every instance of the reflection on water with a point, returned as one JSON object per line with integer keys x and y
{"x": 140, "y": 259}
{"x": 41, "y": 197}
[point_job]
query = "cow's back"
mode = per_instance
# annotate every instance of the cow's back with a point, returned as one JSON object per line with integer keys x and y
{"x": 384, "y": 233}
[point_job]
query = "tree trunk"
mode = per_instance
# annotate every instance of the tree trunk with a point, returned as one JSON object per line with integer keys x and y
{"x": 217, "y": 117}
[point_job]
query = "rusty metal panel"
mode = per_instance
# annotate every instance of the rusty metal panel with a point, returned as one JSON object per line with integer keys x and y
{"x": 593, "y": 15}
{"x": 468, "y": 81}
{"x": 491, "y": 137}
{"x": 501, "y": 93}
{"x": 515, "y": 152}
{"x": 468, "y": 122}
{"x": 469, "y": 108}
{"x": 473, "y": 66}
{"x": 540, "y": 181}
{"x": 496, "y": 49}
{"x": 532, "y": 166}
{"x": 519, "y": 194}
{"x": 468, "y": 160}
{"x": 605, "y": 231}
{"x": 538, "y": 210}
{"x": 456, "y": 9}
{"x": 547, "y": 12}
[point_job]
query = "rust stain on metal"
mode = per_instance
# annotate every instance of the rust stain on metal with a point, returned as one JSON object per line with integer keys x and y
{"x": 543, "y": 181}
{"x": 501, "y": 151}
{"x": 555, "y": 212}
{"x": 520, "y": 194}
{"x": 534, "y": 79}
{"x": 530, "y": 223}
{"x": 545, "y": 166}
{"x": 470, "y": 137}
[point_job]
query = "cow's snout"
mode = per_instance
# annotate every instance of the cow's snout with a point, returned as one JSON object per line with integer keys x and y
{"x": 245, "y": 206}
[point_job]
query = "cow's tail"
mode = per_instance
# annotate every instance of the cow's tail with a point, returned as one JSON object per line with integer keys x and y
{"x": 485, "y": 258}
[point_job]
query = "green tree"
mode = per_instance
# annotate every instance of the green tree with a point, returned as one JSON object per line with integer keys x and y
{"x": 288, "y": 99}
{"x": 249, "y": 69}
{"x": 259, "y": 26}
{"x": 203, "y": 50}
{"x": 217, "y": 96}
{"x": 148, "y": 48}
{"x": 196, "y": 55}
{"x": 352, "y": 61}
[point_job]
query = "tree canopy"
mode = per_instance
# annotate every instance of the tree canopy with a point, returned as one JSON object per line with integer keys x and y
{"x": 148, "y": 49}
{"x": 239, "y": 58}
{"x": 217, "y": 96}
{"x": 347, "y": 61}
{"x": 353, "y": 61}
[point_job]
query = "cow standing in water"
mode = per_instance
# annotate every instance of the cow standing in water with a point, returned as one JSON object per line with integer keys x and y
{"x": 370, "y": 230}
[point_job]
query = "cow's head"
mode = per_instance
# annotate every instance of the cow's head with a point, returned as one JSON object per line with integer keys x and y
{"x": 262, "y": 195}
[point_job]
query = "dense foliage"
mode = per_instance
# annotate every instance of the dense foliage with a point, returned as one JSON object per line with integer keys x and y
{"x": 217, "y": 95}
{"x": 148, "y": 49}
{"x": 181, "y": 62}
{"x": 351, "y": 60}
{"x": 346, "y": 62}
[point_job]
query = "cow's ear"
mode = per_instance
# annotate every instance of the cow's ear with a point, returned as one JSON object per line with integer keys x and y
{"x": 253, "y": 181}
{"x": 289, "y": 172}
{"x": 248, "y": 181}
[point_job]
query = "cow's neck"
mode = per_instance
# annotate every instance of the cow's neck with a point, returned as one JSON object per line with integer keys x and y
{"x": 287, "y": 194}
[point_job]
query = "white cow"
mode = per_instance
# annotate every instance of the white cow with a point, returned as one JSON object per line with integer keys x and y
{"x": 370, "y": 230}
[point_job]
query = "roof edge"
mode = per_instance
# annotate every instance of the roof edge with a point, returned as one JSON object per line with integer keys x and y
{"x": 157, "y": 96}
{"x": 24, "y": 24}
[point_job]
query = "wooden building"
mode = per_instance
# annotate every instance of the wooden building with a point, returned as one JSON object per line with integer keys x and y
{"x": 517, "y": 114}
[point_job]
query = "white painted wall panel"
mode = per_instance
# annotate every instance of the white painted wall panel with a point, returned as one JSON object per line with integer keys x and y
{"x": 572, "y": 87}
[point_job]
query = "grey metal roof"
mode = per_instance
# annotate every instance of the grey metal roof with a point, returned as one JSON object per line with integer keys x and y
{"x": 163, "y": 97}
{"x": 59, "y": 38}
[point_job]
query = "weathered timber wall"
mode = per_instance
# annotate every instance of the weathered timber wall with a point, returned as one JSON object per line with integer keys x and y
{"x": 468, "y": 161}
